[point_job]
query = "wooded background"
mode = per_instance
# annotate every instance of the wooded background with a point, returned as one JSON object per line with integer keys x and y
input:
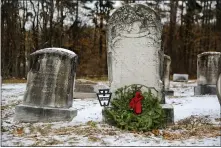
{"x": 190, "y": 27}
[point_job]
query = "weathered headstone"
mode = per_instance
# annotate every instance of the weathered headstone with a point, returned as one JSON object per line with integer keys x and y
{"x": 50, "y": 82}
{"x": 208, "y": 70}
{"x": 180, "y": 77}
{"x": 166, "y": 75}
{"x": 218, "y": 87}
{"x": 134, "y": 47}
{"x": 134, "y": 51}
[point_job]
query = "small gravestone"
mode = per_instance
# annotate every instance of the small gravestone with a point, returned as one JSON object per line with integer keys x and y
{"x": 83, "y": 91}
{"x": 50, "y": 82}
{"x": 87, "y": 89}
{"x": 166, "y": 75}
{"x": 180, "y": 77}
{"x": 218, "y": 86}
{"x": 134, "y": 50}
{"x": 208, "y": 70}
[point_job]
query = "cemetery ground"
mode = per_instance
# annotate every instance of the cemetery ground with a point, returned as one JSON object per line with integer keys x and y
{"x": 197, "y": 123}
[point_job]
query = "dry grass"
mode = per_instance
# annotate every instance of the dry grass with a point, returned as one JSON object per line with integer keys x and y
{"x": 94, "y": 78}
{"x": 94, "y": 139}
{"x": 91, "y": 78}
{"x": 14, "y": 80}
{"x": 193, "y": 126}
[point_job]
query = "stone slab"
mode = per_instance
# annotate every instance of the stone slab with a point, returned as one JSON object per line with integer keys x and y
{"x": 82, "y": 95}
{"x": 205, "y": 90}
{"x": 87, "y": 88}
{"x": 180, "y": 77}
{"x": 26, "y": 113}
{"x": 169, "y": 92}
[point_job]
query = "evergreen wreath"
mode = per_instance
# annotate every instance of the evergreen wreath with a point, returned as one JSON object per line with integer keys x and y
{"x": 119, "y": 113}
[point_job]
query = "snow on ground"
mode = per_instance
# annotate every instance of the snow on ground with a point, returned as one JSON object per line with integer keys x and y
{"x": 88, "y": 129}
{"x": 186, "y": 104}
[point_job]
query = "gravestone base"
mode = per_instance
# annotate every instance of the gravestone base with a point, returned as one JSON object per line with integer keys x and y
{"x": 205, "y": 90}
{"x": 169, "y": 92}
{"x": 169, "y": 111}
{"x": 26, "y": 113}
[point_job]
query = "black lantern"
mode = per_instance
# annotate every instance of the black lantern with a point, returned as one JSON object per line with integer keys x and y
{"x": 104, "y": 97}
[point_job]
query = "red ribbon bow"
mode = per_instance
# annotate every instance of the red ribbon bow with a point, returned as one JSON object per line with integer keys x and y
{"x": 135, "y": 103}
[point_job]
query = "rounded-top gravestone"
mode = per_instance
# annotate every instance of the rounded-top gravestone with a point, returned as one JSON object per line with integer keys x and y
{"x": 208, "y": 70}
{"x": 134, "y": 53}
{"x": 50, "y": 82}
{"x": 218, "y": 86}
{"x": 134, "y": 48}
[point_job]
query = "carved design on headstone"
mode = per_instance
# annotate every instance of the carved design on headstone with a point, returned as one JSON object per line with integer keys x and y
{"x": 208, "y": 70}
{"x": 134, "y": 41}
{"x": 50, "y": 82}
{"x": 135, "y": 20}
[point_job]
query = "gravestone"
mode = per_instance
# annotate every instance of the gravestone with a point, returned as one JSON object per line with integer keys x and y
{"x": 208, "y": 70}
{"x": 166, "y": 75}
{"x": 87, "y": 89}
{"x": 218, "y": 87}
{"x": 134, "y": 50}
{"x": 84, "y": 90}
{"x": 180, "y": 77}
{"x": 49, "y": 91}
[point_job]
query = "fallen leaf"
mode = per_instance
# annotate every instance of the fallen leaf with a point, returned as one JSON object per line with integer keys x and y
{"x": 166, "y": 135}
{"x": 20, "y": 130}
{"x": 156, "y": 132}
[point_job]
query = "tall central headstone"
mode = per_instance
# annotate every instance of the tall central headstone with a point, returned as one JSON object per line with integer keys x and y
{"x": 134, "y": 48}
{"x": 49, "y": 92}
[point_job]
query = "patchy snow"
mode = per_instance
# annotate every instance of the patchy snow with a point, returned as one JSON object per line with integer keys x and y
{"x": 87, "y": 110}
{"x": 101, "y": 85}
{"x": 187, "y": 106}
{"x": 12, "y": 92}
{"x": 87, "y": 128}
{"x": 61, "y": 51}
